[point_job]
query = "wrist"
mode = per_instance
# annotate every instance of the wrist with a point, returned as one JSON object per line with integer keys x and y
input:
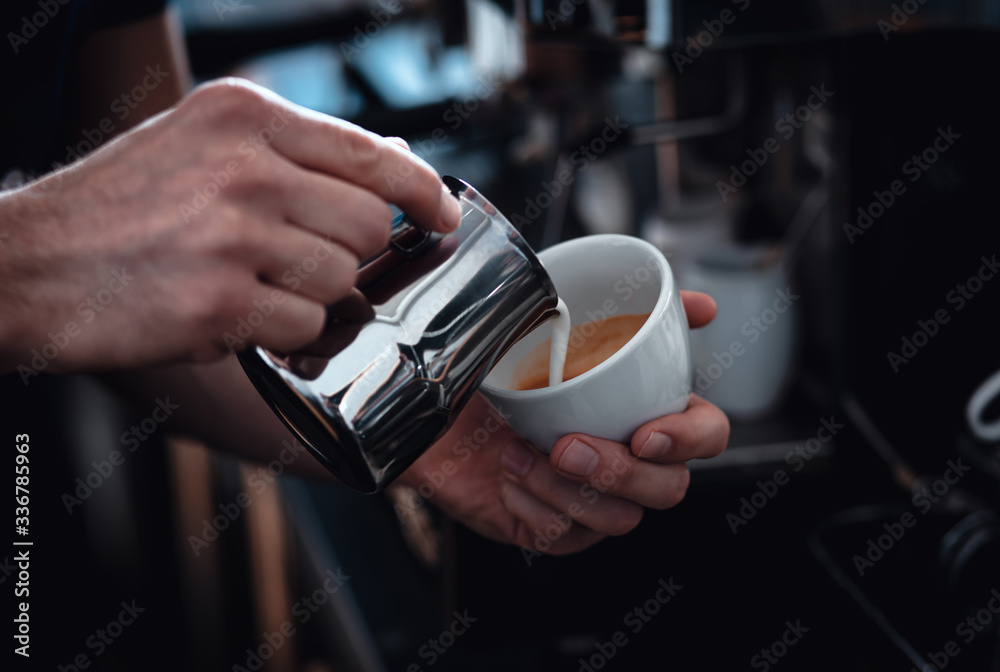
{"x": 22, "y": 212}
{"x": 410, "y": 478}
{"x": 415, "y": 475}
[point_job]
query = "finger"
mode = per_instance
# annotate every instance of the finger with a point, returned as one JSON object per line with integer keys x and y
{"x": 399, "y": 141}
{"x": 609, "y": 467}
{"x": 300, "y": 263}
{"x": 337, "y": 210}
{"x": 344, "y": 321}
{"x": 541, "y": 527}
{"x": 354, "y": 309}
{"x": 699, "y": 308}
{"x": 286, "y": 322}
{"x": 341, "y": 149}
{"x": 701, "y": 431}
{"x": 531, "y": 472}
{"x": 307, "y": 367}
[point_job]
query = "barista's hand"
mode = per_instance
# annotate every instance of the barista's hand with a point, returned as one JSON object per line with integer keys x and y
{"x": 232, "y": 206}
{"x": 483, "y": 475}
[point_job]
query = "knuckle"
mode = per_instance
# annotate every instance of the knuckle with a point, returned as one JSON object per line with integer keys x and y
{"x": 360, "y": 149}
{"x": 711, "y": 441}
{"x": 230, "y": 93}
{"x": 225, "y": 302}
{"x": 212, "y": 313}
{"x": 259, "y": 176}
{"x": 674, "y": 496}
{"x": 427, "y": 184}
{"x": 399, "y": 141}
{"x": 341, "y": 276}
{"x": 377, "y": 225}
{"x": 224, "y": 99}
{"x": 618, "y": 476}
{"x": 412, "y": 180}
{"x": 227, "y": 232}
{"x": 346, "y": 271}
{"x": 312, "y": 323}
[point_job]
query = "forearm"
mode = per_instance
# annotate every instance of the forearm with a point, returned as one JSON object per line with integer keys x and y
{"x": 217, "y": 404}
{"x": 111, "y": 64}
{"x": 26, "y": 314}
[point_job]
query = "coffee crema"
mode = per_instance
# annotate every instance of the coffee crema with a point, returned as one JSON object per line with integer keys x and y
{"x": 589, "y": 344}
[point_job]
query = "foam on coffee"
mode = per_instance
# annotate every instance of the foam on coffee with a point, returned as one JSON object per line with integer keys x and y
{"x": 589, "y": 344}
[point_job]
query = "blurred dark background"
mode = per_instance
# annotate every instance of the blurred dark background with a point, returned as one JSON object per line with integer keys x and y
{"x": 502, "y": 94}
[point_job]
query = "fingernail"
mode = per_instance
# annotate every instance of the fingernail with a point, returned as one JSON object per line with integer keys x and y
{"x": 579, "y": 459}
{"x": 656, "y": 446}
{"x": 515, "y": 459}
{"x": 451, "y": 213}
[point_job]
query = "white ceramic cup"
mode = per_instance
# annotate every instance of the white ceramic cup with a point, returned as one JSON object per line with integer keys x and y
{"x": 650, "y": 376}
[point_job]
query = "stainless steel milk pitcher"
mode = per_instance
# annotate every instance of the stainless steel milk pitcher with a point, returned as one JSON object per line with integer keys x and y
{"x": 397, "y": 363}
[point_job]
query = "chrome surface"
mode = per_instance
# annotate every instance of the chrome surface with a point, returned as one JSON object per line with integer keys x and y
{"x": 399, "y": 360}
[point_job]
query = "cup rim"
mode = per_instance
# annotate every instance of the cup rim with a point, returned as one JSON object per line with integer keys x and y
{"x": 662, "y": 303}
{"x": 734, "y": 261}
